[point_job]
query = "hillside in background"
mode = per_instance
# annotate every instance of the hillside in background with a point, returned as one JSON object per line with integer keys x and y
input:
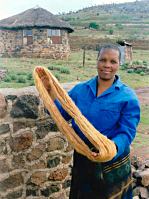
{"x": 110, "y": 22}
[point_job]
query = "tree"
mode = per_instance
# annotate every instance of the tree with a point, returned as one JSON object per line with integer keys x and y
{"x": 94, "y": 25}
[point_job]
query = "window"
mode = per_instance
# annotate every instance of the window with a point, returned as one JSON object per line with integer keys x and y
{"x": 27, "y": 37}
{"x": 54, "y": 36}
{"x": 27, "y": 33}
{"x": 54, "y": 32}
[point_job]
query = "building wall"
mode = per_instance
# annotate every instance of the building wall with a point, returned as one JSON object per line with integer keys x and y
{"x": 12, "y": 43}
{"x": 128, "y": 54}
{"x": 35, "y": 158}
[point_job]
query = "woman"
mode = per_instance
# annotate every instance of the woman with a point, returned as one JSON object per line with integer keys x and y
{"x": 113, "y": 109}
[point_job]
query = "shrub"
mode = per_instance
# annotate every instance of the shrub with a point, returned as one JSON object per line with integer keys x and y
{"x": 54, "y": 68}
{"x": 145, "y": 63}
{"x": 64, "y": 70}
{"x": 119, "y": 26}
{"x": 124, "y": 66}
{"x": 111, "y": 31}
{"x": 130, "y": 70}
{"x": 51, "y": 67}
{"x": 29, "y": 76}
{"x": 139, "y": 70}
{"x": 94, "y": 25}
{"x": 21, "y": 79}
{"x": 136, "y": 62}
{"x": 142, "y": 73}
{"x": 7, "y": 79}
{"x": 57, "y": 76}
{"x": 13, "y": 77}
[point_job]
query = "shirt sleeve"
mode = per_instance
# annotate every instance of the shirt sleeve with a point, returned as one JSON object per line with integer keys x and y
{"x": 126, "y": 130}
{"x": 72, "y": 94}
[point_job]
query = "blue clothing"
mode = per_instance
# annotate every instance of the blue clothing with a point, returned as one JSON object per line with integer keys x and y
{"x": 115, "y": 113}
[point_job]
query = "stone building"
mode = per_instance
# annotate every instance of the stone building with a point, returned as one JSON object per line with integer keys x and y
{"x": 34, "y": 33}
{"x": 126, "y": 51}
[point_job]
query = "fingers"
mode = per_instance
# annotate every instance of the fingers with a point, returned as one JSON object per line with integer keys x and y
{"x": 94, "y": 154}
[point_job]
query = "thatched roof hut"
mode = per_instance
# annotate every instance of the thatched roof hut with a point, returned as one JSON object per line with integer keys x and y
{"x": 35, "y": 27}
{"x": 34, "y": 17}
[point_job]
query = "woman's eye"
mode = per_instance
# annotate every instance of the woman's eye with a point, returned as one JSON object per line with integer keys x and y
{"x": 102, "y": 60}
{"x": 113, "y": 62}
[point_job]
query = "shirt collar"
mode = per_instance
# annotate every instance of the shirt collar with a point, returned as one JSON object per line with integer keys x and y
{"x": 93, "y": 84}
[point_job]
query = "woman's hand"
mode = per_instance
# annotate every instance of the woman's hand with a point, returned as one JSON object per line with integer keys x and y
{"x": 45, "y": 81}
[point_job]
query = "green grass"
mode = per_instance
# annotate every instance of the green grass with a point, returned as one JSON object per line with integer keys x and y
{"x": 20, "y": 69}
{"x": 141, "y": 140}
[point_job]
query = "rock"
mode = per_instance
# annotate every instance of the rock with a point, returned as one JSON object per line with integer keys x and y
{"x": 55, "y": 143}
{"x": 66, "y": 184}
{"x": 38, "y": 165}
{"x": 4, "y": 128}
{"x": 58, "y": 175}
{"x": 22, "y": 125}
{"x": 145, "y": 177}
{"x": 11, "y": 182}
{"x": 53, "y": 162}
{"x": 44, "y": 127}
{"x": 49, "y": 190}
{"x": 141, "y": 191}
{"x": 3, "y": 106}
{"x": 144, "y": 193}
{"x": 18, "y": 161}
{"x": 11, "y": 97}
{"x": 146, "y": 164}
{"x": 21, "y": 142}
{"x": 25, "y": 106}
{"x": 66, "y": 159}
{"x": 14, "y": 194}
{"x": 136, "y": 197}
{"x": 39, "y": 177}
{"x": 36, "y": 152}
{"x": 4, "y": 165}
{"x": 136, "y": 162}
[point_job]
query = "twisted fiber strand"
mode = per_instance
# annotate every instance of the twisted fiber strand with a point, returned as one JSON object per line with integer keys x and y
{"x": 107, "y": 148}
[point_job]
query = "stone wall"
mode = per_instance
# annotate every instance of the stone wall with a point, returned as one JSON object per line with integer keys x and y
{"x": 35, "y": 158}
{"x": 13, "y": 44}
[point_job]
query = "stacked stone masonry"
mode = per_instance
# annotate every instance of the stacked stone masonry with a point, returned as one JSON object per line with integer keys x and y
{"x": 35, "y": 158}
{"x": 13, "y": 44}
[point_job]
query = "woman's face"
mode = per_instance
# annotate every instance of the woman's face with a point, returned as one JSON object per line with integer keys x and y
{"x": 108, "y": 64}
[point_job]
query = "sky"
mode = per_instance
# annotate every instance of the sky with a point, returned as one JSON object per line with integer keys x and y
{"x": 11, "y": 7}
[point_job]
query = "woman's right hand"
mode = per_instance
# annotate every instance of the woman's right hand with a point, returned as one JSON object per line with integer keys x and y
{"x": 45, "y": 81}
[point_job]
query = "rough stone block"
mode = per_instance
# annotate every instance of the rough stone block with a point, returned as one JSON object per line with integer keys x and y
{"x": 53, "y": 162}
{"x": 58, "y": 175}
{"x": 3, "y": 106}
{"x": 36, "y": 152}
{"x": 38, "y": 177}
{"x": 25, "y": 106}
{"x": 56, "y": 143}
{"x": 21, "y": 142}
{"x": 11, "y": 182}
{"x": 4, "y": 128}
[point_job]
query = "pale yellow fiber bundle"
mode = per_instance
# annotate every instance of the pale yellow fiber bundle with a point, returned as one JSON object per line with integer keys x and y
{"x": 107, "y": 148}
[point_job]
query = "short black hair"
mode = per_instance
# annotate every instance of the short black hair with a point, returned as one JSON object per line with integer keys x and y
{"x": 110, "y": 46}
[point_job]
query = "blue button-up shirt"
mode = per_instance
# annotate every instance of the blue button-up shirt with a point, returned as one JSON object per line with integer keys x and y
{"x": 115, "y": 113}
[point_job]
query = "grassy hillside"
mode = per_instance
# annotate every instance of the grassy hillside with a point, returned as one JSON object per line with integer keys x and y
{"x": 129, "y": 21}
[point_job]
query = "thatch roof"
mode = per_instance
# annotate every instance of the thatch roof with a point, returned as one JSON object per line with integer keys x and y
{"x": 35, "y": 17}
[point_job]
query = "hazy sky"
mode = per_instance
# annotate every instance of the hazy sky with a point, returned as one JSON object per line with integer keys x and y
{"x": 12, "y": 7}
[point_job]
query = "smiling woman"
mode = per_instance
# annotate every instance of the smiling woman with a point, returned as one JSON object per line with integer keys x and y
{"x": 113, "y": 109}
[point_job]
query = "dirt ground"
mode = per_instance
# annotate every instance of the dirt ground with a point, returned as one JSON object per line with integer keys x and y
{"x": 142, "y": 151}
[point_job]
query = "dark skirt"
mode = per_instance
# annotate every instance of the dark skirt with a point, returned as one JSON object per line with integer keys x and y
{"x": 91, "y": 180}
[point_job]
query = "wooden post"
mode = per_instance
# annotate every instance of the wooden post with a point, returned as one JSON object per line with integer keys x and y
{"x": 83, "y": 56}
